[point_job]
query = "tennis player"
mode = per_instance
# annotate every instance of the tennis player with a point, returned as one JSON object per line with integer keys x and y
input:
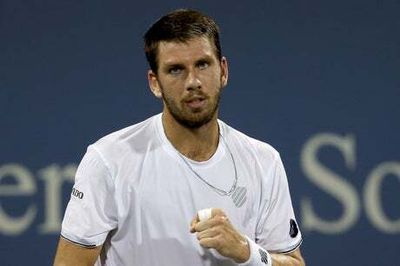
{"x": 181, "y": 188}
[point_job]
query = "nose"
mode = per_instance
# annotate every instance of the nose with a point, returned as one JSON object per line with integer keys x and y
{"x": 192, "y": 81}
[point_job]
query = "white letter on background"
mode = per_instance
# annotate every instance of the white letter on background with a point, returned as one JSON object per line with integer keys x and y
{"x": 372, "y": 197}
{"x": 330, "y": 182}
{"x": 24, "y": 186}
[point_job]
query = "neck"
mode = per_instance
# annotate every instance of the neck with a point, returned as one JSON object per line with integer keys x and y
{"x": 198, "y": 144}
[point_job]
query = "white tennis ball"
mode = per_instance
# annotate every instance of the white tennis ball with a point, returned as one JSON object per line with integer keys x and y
{"x": 204, "y": 214}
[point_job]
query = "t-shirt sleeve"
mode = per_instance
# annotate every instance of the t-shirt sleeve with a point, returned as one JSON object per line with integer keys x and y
{"x": 277, "y": 229}
{"x": 91, "y": 212}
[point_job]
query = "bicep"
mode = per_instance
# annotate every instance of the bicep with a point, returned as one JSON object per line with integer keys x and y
{"x": 69, "y": 253}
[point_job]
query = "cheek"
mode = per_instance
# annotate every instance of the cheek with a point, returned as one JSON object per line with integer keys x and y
{"x": 174, "y": 84}
{"x": 169, "y": 87}
{"x": 172, "y": 93}
{"x": 211, "y": 80}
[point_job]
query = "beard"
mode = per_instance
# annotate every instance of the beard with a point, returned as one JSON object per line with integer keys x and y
{"x": 192, "y": 118}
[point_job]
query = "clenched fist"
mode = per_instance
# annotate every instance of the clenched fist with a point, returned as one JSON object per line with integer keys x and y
{"x": 218, "y": 233}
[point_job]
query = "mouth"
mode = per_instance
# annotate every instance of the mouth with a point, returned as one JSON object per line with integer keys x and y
{"x": 196, "y": 102}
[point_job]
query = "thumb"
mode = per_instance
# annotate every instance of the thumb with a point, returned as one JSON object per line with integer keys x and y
{"x": 217, "y": 212}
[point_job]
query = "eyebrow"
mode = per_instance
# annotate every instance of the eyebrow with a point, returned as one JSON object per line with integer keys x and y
{"x": 174, "y": 65}
{"x": 205, "y": 58}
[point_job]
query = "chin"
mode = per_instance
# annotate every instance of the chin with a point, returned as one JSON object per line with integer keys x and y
{"x": 195, "y": 121}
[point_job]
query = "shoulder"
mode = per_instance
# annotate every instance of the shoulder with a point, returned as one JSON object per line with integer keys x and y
{"x": 134, "y": 134}
{"x": 130, "y": 141}
{"x": 257, "y": 148}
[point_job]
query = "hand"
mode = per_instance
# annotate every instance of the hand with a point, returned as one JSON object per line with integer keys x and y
{"x": 218, "y": 233}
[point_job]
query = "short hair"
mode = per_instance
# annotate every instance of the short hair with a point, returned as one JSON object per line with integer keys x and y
{"x": 179, "y": 26}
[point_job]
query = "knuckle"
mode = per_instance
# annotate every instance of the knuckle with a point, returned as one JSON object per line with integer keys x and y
{"x": 221, "y": 220}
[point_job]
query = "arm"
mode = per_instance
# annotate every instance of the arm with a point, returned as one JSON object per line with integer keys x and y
{"x": 277, "y": 226}
{"x": 75, "y": 255}
{"x": 218, "y": 233}
{"x": 290, "y": 259}
{"x": 88, "y": 217}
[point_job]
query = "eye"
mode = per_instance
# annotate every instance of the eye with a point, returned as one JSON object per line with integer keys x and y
{"x": 203, "y": 64}
{"x": 175, "y": 70}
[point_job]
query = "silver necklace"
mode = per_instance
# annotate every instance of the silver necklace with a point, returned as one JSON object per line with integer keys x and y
{"x": 218, "y": 190}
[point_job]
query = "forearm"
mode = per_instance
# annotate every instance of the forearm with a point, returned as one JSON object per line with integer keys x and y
{"x": 70, "y": 254}
{"x": 260, "y": 256}
{"x": 291, "y": 259}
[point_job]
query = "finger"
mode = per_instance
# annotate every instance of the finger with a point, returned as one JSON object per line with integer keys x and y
{"x": 201, "y": 215}
{"x": 210, "y": 242}
{"x": 208, "y": 213}
{"x": 209, "y": 233}
{"x": 192, "y": 225}
{"x": 213, "y": 222}
{"x": 217, "y": 212}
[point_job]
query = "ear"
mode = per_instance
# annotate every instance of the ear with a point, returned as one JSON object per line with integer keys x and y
{"x": 224, "y": 71}
{"x": 153, "y": 84}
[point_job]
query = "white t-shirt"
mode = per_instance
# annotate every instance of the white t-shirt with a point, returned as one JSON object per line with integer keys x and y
{"x": 135, "y": 195}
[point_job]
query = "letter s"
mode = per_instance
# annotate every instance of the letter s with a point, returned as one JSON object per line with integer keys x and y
{"x": 329, "y": 182}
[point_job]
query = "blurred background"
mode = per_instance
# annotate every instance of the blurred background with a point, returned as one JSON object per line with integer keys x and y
{"x": 318, "y": 80}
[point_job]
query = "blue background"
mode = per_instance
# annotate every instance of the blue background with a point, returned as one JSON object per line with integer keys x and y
{"x": 74, "y": 71}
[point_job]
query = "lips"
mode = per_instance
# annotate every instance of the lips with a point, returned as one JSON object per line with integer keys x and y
{"x": 196, "y": 102}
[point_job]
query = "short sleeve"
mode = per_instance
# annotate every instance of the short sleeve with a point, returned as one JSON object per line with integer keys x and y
{"x": 277, "y": 229}
{"x": 91, "y": 212}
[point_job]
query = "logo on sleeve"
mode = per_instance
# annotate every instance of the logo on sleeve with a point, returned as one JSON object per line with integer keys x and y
{"x": 294, "y": 230}
{"x": 77, "y": 193}
{"x": 264, "y": 256}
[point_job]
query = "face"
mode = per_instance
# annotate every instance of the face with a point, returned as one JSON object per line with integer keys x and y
{"x": 189, "y": 80}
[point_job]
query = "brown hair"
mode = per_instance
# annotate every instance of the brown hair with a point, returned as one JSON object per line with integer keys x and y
{"x": 180, "y": 25}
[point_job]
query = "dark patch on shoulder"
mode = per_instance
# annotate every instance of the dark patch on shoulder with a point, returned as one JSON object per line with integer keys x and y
{"x": 294, "y": 229}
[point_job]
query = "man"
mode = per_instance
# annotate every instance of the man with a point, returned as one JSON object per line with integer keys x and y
{"x": 138, "y": 191}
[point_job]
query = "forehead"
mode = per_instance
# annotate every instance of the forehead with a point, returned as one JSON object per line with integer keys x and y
{"x": 174, "y": 52}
